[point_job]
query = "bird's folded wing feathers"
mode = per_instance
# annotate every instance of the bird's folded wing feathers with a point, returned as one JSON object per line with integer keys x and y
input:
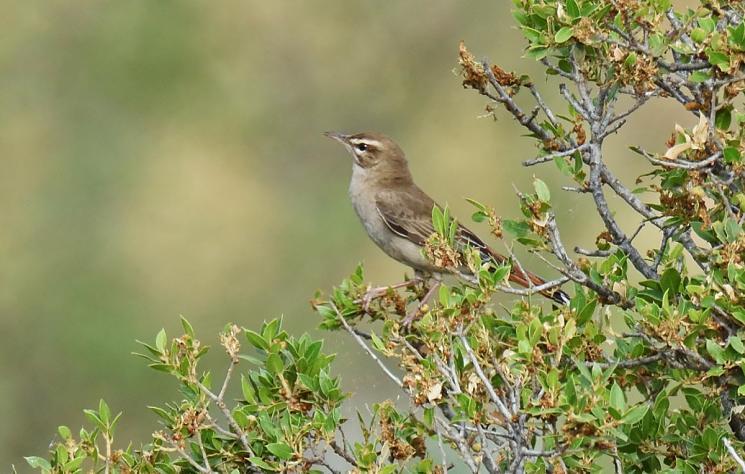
{"x": 409, "y": 215}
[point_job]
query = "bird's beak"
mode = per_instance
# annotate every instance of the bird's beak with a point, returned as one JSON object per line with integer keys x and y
{"x": 339, "y": 137}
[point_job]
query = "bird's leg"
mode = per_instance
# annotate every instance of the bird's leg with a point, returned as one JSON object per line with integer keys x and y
{"x": 411, "y": 316}
{"x": 374, "y": 293}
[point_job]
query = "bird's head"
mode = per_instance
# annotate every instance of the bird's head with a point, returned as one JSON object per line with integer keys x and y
{"x": 374, "y": 154}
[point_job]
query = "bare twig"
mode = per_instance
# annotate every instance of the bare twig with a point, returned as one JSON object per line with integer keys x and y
{"x": 228, "y": 416}
{"x": 619, "y": 238}
{"x": 679, "y": 163}
{"x": 592, "y": 253}
{"x": 369, "y": 351}
{"x": 549, "y": 285}
{"x": 626, "y": 364}
{"x": 342, "y": 452}
{"x": 731, "y": 450}
{"x": 504, "y": 98}
{"x": 107, "y": 441}
{"x": 574, "y": 102}
{"x": 542, "y": 104}
{"x": 191, "y": 460}
{"x": 552, "y": 156}
{"x": 487, "y": 384}
{"x": 441, "y": 445}
{"x": 203, "y": 451}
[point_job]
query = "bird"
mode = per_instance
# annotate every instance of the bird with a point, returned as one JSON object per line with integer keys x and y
{"x": 397, "y": 214}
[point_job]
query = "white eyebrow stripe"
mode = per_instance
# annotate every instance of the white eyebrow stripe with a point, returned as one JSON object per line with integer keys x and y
{"x": 366, "y": 141}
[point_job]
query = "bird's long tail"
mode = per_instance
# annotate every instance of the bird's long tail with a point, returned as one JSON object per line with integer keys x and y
{"x": 527, "y": 280}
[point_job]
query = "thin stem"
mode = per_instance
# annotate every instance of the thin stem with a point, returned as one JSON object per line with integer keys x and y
{"x": 342, "y": 453}
{"x": 731, "y": 450}
{"x": 203, "y": 451}
{"x": 229, "y": 416}
{"x": 369, "y": 351}
{"x": 107, "y": 441}
{"x": 534, "y": 289}
{"x": 552, "y": 156}
{"x": 191, "y": 460}
{"x": 487, "y": 384}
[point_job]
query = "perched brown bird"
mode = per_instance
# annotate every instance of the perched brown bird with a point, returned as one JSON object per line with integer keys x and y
{"x": 397, "y": 214}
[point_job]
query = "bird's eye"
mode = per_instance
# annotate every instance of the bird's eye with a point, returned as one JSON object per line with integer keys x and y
{"x": 361, "y": 146}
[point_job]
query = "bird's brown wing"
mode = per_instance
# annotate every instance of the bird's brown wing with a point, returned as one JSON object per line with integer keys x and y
{"x": 408, "y": 213}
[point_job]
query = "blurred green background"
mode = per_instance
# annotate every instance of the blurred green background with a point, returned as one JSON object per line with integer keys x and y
{"x": 165, "y": 158}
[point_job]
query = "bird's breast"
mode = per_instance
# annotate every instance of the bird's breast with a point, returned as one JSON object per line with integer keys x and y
{"x": 364, "y": 202}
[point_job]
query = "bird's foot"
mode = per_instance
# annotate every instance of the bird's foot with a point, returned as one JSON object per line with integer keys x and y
{"x": 374, "y": 293}
{"x": 370, "y": 295}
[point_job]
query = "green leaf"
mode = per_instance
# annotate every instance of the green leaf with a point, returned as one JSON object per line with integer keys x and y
{"x": 707, "y": 24}
{"x": 161, "y": 413}
{"x": 274, "y": 364}
{"x": 570, "y": 329}
{"x": 452, "y": 231}
{"x": 572, "y": 9}
{"x": 737, "y": 36}
{"x": 429, "y": 416}
{"x": 723, "y": 118}
{"x": 719, "y": 59}
{"x": 535, "y": 331}
{"x": 74, "y": 464}
{"x": 64, "y": 432}
{"x": 715, "y": 350}
{"x": 732, "y": 229}
{"x": 698, "y": 35}
{"x": 532, "y": 35}
{"x": 630, "y": 60}
{"x": 188, "y": 329}
{"x": 476, "y": 204}
{"x": 248, "y": 391}
{"x": 501, "y": 273}
{"x": 635, "y": 414}
{"x": 281, "y": 450}
{"x": 104, "y": 412}
{"x": 271, "y": 329}
{"x": 563, "y": 166}
{"x": 478, "y": 216}
{"x": 256, "y": 340}
{"x": 670, "y": 281}
{"x": 699, "y": 76}
{"x": 160, "y": 340}
{"x": 537, "y": 52}
{"x": 736, "y": 343}
{"x": 93, "y": 417}
{"x": 516, "y": 228}
{"x": 38, "y": 463}
{"x": 563, "y": 34}
{"x": 617, "y": 399}
{"x": 732, "y": 155}
{"x": 258, "y": 462}
{"x": 438, "y": 221}
{"x": 541, "y": 190}
{"x": 377, "y": 342}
